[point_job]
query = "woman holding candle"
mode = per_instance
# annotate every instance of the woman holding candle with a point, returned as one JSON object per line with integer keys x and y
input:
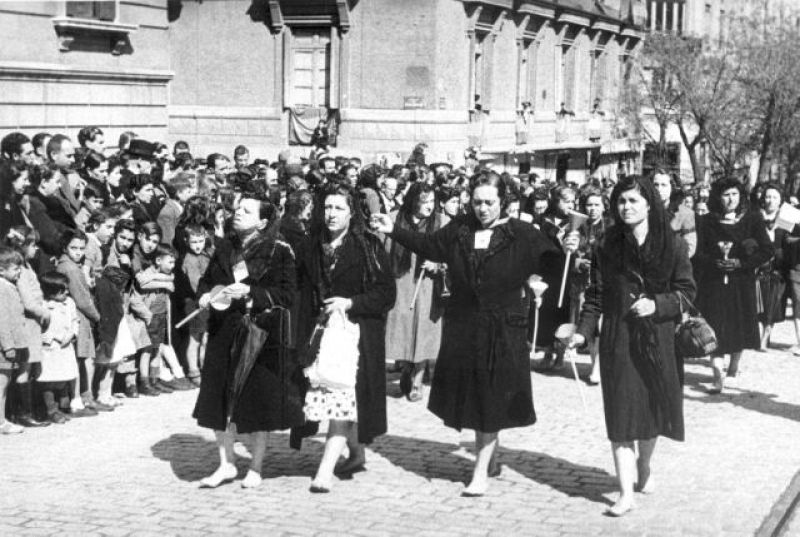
{"x": 732, "y": 243}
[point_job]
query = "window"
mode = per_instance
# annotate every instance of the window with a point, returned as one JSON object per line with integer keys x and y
{"x": 665, "y": 15}
{"x": 567, "y": 72}
{"x": 530, "y": 61}
{"x": 311, "y": 67}
{"x": 101, "y": 11}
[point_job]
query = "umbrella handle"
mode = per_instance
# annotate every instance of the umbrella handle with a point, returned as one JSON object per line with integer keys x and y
{"x": 535, "y": 332}
{"x": 564, "y": 281}
{"x": 577, "y": 379}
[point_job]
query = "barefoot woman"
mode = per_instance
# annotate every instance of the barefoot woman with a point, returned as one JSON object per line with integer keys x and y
{"x": 482, "y": 379}
{"x": 640, "y": 267}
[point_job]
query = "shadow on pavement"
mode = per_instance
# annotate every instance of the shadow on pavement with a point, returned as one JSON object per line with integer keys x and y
{"x": 438, "y": 460}
{"x": 764, "y": 403}
{"x": 193, "y": 457}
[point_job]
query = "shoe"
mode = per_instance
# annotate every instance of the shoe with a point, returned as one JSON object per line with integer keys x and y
{"x": 415, "y": 395}
{"x": 145, "y": 388}
{"x": 592, "y": 381}
{"x": 195, "y": 381}
{"x": 348, "y": 469}
{"x": 131, "y": 392}
{"x": 182, "y": 384}
{"x": 57, "y": 417}
{"x": 83, "y": 413}
{"x": 103, "y": 407}
{"x": 162, "y": 386}
{"x": 28, "y": 422}
{"x": 219, "y": 477}
{"x": 405, "y": 381}
{"x": 548, "y": 363}
{"x": 89, "y": 403}
{"x": 11, "y": 428}
{"x": 618, "y": 510}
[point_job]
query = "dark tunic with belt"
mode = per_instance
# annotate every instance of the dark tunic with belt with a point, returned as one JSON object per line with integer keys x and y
{"x": 642, "y": 398}
{"x": 482, "y": 378}
{"x": 270, "y": 398}
{"x": 730, "y": 308}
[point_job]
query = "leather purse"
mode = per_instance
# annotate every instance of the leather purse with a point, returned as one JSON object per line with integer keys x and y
{"x": 694, "y": 337}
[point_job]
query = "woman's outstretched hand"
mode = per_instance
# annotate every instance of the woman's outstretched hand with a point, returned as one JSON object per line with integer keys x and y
{"x": 381, "y": 223}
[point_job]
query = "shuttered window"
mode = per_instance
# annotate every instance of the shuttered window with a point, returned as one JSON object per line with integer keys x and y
{"x": 310, "y": 67}
{"x": 102, "y": 11}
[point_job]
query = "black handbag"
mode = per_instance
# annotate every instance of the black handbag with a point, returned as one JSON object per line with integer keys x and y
{"x": 694, "y": 337}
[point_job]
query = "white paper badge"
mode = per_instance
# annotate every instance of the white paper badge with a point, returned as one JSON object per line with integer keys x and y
{"x": 240, "y": 271}
{"x": 482, "y": 238}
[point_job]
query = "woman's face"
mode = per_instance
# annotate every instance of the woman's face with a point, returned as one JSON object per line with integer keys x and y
{"x": 148, "y": 243}
{"x": 663, "y": 186}
{"x": 730, "y": 200}
{"x": 21, "y": 183}
{"x": 425, "y": 205}
{"x": 76, "y": 249}
{"x": 101, "y": 172}
{"x": 772, "y": 200}
{"x": 486, "y": 204}
{"x": 337, "y": 213}
{"x": 452, "y": 206}
{"x": 594, "y": 208}
{"x": 114, "y": 176}
{"x": 566, "y": 202}
{"x": 633, "y": 208}
{"x": 688, "y": 202}
{"x": 30, "y": 250}
{"x": 247, "y": 217}
{"x": 512, "y": 210}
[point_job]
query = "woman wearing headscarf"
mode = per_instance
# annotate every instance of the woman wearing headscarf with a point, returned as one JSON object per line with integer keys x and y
{"x": 413, "y": 327}
{"x": 248, "y": 380}
{"x": 343, "y": 269}
{"x": 732, "y": 243}
{"x": 641, "y": 272}
{"x": 482, "y": 379}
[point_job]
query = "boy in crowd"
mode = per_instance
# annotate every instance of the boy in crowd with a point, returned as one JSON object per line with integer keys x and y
{"x": 12, "y": 348}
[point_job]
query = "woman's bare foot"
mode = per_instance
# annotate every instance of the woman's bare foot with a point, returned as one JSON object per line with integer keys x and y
{"x": 251, "y": 480}
{"x": 621, "y": 507}
{"x": 223, "y": 474}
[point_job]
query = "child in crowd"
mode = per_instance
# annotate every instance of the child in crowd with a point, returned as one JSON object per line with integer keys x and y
{"x": 99, "y": 232}
{"x": 180, "y": 188}
{"x": 12, "y": 340}
{"x": 92, "y": 202}
{"x": 70, "y": 264}
{"x": 156, "y": 297}
{"x": 37, "y": 318}
{"x": 192, "y": 267}
{"x": 59, "y": 366}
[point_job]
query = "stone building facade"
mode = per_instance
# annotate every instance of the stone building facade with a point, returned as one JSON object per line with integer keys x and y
{"x": 385, "y": 74}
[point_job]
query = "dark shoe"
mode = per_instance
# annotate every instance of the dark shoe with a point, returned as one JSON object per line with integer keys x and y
{"x": 145, "y": 388}
{"x": 102, "y": 407}
{"x": 28, "y": 421}
{"x": 162, "y": 386}
{"x": 405, "y": 380}
{"x": 548, "y": 362}
{"x": 195, "y": 381}
{"x": 182, "y": 384}
{"x": 318, "y": 489}
{"x": 57, "y": 418}
{"x": 131, "y": 392}
{"x": 349, "y": 469}
{"x": 83, "y": 413}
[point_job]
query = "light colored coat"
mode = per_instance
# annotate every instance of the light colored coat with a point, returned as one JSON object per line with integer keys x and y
{"x": 87, "y": 312}
{"x": 58, "y": 357}
{"x": 37, "y": 316}
{"x": 12, "y": 328}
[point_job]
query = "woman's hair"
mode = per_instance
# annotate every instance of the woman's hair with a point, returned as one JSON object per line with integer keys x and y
{"x": 446, "y": 193}
{"x": 148, "y": 229}
{"x": 39, "y": 138}
{"x": 9, "y": 257}
{"x": 557, "y": 194}
{"x": 592, "y": 192}
{"x": 762, "y": 195}
{"x": 88, "y": 134}
{"x": 70, "y": 235}
{"x": 98, "y": 218}
{"x": 644, "y": 187}
{"x": 92, "y": 160}
{"x": 198, "y": 210}
{"x": 412, "y": 197}
{"x": 21, "y": 237}
{"x": 13, "y": 172}
{"x": 357, "y": 225}
{"x": 41, "y": 174}
{"x": 297, "y": 201}
{"x": 489, "y": 178}
{"x": 718, "y": 188}
{"x": 53, "y": 283}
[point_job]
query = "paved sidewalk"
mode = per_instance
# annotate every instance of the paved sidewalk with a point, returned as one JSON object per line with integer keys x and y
{"x": 134, "y": 471}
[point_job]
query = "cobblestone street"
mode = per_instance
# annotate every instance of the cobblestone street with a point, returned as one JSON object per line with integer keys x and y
{"x": 134, "y": 471}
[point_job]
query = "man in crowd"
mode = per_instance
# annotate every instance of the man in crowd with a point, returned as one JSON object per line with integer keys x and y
{"x": 61, "y": 154}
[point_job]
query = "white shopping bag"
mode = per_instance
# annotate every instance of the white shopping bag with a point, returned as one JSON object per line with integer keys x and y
{"x": 124, "y": 345}
{"x": 336, "y": 364}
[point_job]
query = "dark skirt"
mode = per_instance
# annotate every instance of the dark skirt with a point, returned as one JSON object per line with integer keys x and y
{"x": 771, "y": 297}
{"x": 270, "y": 399}
{"x": 472, "y": 390}
{"x": 730, "y": 309}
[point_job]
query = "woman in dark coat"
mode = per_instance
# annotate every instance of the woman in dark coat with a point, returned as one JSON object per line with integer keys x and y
{"x": 344, "y": 268}
{"x": 265, "y": 398}
{"x": 640, "y": 269}
{"x": 482, "y": 379}
{"x": 727, "y": 282}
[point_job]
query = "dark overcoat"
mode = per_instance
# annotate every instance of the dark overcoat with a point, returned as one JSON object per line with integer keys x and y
{"x": 270, "y": 399}
{"x": 371, "y": 302}
{"x": 632, "y": 410}
{"x": 482, "y": 378}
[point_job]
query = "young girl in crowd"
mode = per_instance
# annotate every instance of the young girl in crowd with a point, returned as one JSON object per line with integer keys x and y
{"x": 71, "y": 265}
{"x": 12, "y": 340}
{"x": 99, "y": 231}
{"x": 37, "y": 318}
{"x": 192, "y": 267}
{"x": 59, "y": 366}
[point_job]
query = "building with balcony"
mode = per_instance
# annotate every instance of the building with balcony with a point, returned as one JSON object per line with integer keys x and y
{"x": 534, "y": 84}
